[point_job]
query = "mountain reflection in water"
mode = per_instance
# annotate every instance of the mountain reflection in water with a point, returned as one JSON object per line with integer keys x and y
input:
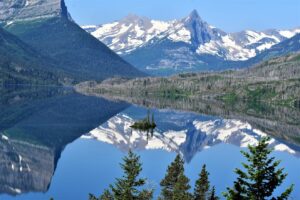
{"x": 35, "y": 125}
{"x": 181, "y": 132}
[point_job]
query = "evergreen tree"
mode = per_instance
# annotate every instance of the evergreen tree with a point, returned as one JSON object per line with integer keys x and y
{"x": 175, "y": 181}
{"x": 106, "y": 195}
{"x": 127, "y": 187}
{"x": 92, "y": 197}
{"x": 261, "y": 178}
{"x": 181, "y": 188}
{"x": 201, "y": 191}
{"x": 239, "y": 192}
{"x": 213, "y": 194}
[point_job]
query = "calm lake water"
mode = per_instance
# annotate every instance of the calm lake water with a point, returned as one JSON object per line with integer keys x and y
{"x": 57, "y": 143}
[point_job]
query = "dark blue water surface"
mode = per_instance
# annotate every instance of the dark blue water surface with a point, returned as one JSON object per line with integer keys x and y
{"x": 65, "y": 145}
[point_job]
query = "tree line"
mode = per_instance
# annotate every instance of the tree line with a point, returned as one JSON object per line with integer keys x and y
{"x": 257, "y": 180}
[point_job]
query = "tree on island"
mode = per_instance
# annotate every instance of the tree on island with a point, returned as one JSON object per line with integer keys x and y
{"x": 153, "y": 121}
{"x": 148, "y": 116}
{"x": 261, "y": 177}
{"x": 175, "y": 185}
{"x": 145, "y": 124}
{"x": 127, "y": 187}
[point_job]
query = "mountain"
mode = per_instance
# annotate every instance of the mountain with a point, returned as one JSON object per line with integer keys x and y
{"x": 288, "y": 46}
{"x": 181, "y": 132}
{"x": 47, "y": 26}
{"x": 134, "y": 31}
{"x": 129, "y": 33}
{"x": 188, "y": 44}
{"x": 21, "y": 64}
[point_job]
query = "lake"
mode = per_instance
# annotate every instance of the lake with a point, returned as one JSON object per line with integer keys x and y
{"x": 58, "y": 143}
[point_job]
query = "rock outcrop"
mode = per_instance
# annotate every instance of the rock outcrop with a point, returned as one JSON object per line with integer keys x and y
{"x": 19, "y": 10}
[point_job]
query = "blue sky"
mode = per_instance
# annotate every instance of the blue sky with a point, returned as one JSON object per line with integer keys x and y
{"x": 229, "y": 15}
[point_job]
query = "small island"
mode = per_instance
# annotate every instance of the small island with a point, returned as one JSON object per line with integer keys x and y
{"x": 145, "y": 124}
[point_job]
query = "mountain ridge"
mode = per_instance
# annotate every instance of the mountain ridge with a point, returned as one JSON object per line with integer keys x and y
{"x": 184, "y": 45}
{"x": 238, "y": 37}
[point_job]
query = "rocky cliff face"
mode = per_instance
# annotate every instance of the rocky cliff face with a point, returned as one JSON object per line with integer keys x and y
{"x": 18, "y": 10}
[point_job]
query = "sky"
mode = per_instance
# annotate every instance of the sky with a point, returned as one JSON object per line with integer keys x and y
{"x": 229, "y": 15}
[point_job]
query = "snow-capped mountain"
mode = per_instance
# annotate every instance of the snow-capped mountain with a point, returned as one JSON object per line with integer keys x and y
{"x": 181, "y": 132}
{"x": 133, "y": 32}
{"x": 129, "y": 33}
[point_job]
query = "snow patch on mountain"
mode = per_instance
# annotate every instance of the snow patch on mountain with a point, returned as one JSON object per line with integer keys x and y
{"x": 183, "y": 35}
{"x": 289, "y": 33}
{"x": 254, "y": 37}
{"x": 265, "y": 46}
{"x": 89, "y": 28}
{"x": 226, "y": 48}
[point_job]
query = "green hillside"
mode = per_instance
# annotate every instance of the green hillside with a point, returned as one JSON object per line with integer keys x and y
{"x": 21, "y": 64}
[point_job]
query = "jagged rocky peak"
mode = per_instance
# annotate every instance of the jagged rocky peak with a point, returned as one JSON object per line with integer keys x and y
{"x": 18, "y": 10}
{"x": 194, "y": 15}
{"x": 201, "y": 31}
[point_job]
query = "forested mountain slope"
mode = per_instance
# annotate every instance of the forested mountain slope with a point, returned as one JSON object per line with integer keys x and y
{"x": 21, "y": 64}
{"x": 273, "y": 81}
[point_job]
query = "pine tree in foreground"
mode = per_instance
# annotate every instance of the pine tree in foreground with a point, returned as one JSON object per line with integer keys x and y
{"x": 181, "y": 188}
{"x": 213, "y": 194}
{"x": 201, "y": 191}
{"x": 261, "y": 178}
{"x": 106, "y": 195}
{"x": 127, "y": 187}
{"x": 175, "y": 183}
